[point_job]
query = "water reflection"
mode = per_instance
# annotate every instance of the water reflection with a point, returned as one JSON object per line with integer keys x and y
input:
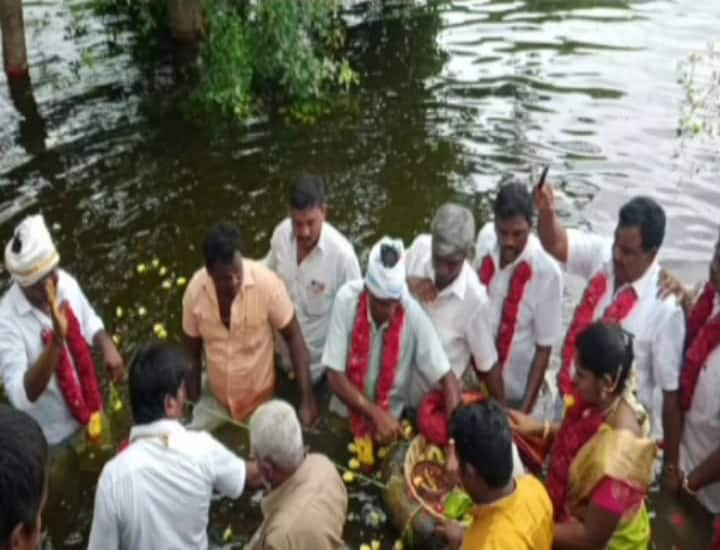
{"x": 456, "y": 96}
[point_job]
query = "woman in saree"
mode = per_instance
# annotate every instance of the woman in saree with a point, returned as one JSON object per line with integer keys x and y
{"x": 601, "y": 464}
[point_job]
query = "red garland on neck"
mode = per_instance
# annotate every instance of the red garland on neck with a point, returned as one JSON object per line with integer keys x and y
{"x": 511, "y": 308}
{"x": 360, "y": 358}
{"x": 702, "y": 338}
{"x": 584, "y": 315}
{"x": 76, "y": 374}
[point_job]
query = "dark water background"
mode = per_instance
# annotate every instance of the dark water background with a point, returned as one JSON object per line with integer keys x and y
{"x": 454, "y": 98}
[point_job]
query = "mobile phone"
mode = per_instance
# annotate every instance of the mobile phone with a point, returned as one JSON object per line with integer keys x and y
{"x": 543, "y": 176}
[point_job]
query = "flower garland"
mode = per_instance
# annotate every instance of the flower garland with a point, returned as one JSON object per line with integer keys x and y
{"x": 360, "y": 358}
{"x": 76, "y": 374}
{"x": 511, "y": 308}
{"x": 584, "y": 315}
{"x": 703, "y": 338}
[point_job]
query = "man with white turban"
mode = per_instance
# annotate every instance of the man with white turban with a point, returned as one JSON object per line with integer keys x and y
{"x": 46, "y": 324}
{"x": 440, "y": 276}
{"x": 379, "y": 338}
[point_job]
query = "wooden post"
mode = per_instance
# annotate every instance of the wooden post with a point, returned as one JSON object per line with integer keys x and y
{"x": 186, "y": 20}
{"x": 13, "y": 38}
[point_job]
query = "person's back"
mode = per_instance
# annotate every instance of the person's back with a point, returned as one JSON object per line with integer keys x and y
{"x": 156, "y": 493}
{"x": 521, "y": 521}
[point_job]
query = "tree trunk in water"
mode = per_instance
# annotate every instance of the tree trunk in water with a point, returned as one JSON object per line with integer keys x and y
{"x": 13, "y": 38}
{"x": 186, "y": 20}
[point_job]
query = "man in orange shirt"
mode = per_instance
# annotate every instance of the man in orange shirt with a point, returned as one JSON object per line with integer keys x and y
{"x": 509, "y": 513}
{"x": 231, "y": 309}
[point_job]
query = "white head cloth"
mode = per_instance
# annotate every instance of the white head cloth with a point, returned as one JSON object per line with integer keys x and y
{"x": 31, "y": 253}
{"x": 386, "y": 282}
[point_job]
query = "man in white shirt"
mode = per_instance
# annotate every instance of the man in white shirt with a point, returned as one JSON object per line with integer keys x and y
{"x": 440, "y": 276}
{"x": 314, "y": 260}
{"x": 46, "y": 325}
{"x": 156, "y": 493}
{"x": 623, "y": 279}
{"x": 699, "y": 468}
{"x": 379, "y": 339}
{"x": 525, "y": 287}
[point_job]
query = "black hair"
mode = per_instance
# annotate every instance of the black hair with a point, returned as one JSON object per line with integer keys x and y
{"x": 307, "y": 191}
{"x": 606, "y": 349}
{"x": 221, "y": 244}
{"x": 23, "y": 471}
{"x": 156, "y": 371}
{"x": 649, "y": 216}
{"x": 483, "y": 439}
{"x": 513, "y": 199}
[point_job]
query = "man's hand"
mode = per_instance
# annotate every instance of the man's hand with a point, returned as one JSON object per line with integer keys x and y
{"x": 57, "y": 311}
{"x": 113, "y": 362}
{"x": 525, "y": 425}
{"x": 387, "y": 428}
{"x": 452, "y": 532}
{"x": 672, "y": 478}
{"x": 544, "y": 198}
{"x": 669, "y": 285}
{"x": 309, "y": 414}
{"x": 422, "y": 288}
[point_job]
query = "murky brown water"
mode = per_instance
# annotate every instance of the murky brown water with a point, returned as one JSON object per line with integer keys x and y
{"x": 453, "y": 99}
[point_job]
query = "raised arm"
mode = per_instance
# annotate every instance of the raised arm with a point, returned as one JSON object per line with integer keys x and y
{"x": 553, "y": 235}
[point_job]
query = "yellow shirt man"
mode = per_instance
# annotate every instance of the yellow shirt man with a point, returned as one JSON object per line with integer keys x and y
{"x": 520, "y": 521}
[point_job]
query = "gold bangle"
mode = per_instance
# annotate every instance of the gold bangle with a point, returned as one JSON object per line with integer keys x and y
{"x": 686, "y": 487}
{"x": 546, "y": 430}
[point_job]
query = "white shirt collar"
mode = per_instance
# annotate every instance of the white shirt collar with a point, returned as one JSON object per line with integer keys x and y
{"x": 645, "y": 284}
{"x": 163, "y": 427}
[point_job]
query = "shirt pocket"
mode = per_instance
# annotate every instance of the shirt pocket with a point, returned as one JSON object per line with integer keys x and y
{"x": 318, "y": 299}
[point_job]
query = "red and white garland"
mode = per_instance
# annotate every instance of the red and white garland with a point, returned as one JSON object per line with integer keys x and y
{"x": 360, "y": 359}
{"x": 584, "y": 315}
{"x": 703, "y": 337}
{"x": 76, "y": 374}
{"x": 511, "y": 308}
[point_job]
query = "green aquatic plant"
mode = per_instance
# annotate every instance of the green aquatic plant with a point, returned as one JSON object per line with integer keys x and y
{"x": 700, "y": 80}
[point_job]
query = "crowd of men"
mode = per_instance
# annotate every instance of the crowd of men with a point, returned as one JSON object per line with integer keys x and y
{"x": 459, "y": 310}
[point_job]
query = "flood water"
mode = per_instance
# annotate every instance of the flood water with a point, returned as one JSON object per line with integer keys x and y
{"x": 455, "y": 97}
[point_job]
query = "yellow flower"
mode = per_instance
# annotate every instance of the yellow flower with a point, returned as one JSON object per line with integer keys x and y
{"x": 351, "y": 448}
{"x": 117, "y": 405}
{"x": 375, "y": 545}
{"x": 116, "y": 339}
{"x": 166, "y": 284}
{"x": 94, "y": 426}
{"x": 382, "y": 452}
{"x": 119, "y": 312}
{"x": 569, "y": 401}
{"x": 181, "y": 281}
{"x": 162, "y": 271}
{"x": 155, "y": 262}
{"x": 142, "y": 312}
{"x": 365, "y": 547}
{"x": 348, "y": 477}
{"x": 398, "y": 545}
{"x": 364, "y": 450}
{"x": 354, "y": 464}
{"x": 227, "y": 534}
{"x": 141, "y": 268}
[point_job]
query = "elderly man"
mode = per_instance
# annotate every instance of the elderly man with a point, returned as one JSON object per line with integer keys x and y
{"x": 379, "y": 339}
{"x": 46, "y": 326}
{"x": 307, "y": 503}
{"x": 450, "y": 293}
{"x": 156, "y": 493}
{"x": 23, "y": 479}
{"x": 231, "y": 310}
{"x": 525, "y": 287}
{"x": 314, "y": 260}
{"x": 623, "y": 277}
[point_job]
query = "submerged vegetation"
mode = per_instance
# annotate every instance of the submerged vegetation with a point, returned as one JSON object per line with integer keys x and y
{"x": 700, "y": 79}
{"x": 257, "y": 51}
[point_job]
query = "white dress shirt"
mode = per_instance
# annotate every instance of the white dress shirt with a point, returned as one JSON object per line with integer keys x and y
{"x": 657, "y": 325}
{"x": 21, "y": 345}
{"x": 156, "y": 493}
{"x": 460, "y": 313}
{"x": 420, "y": 349}
{"x": 539, "y": 322}
{"x": 701, "y": 429}
{"x": 313, "y": 283}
